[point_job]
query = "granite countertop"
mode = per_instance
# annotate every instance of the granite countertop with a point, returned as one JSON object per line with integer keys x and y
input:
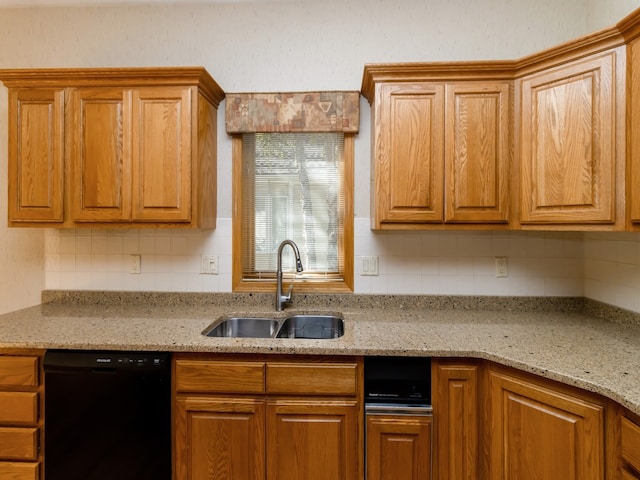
{"x": 566, "y": 340}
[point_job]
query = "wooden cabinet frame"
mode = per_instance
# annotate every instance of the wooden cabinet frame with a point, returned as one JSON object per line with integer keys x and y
{"x": 133, "y": 147}
{"x": 287, "y": 408}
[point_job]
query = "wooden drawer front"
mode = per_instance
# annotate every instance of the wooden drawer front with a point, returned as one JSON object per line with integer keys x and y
{"x": 626, "y": 475}
{"x": 631, "y": 443}
{"x": 19, "y": 471}
{"x": 19, "y": 371}
{"x": 18, "y": 444}
{"x": 312, "y": 378}
{"x": 219, "y": 377}
{"x": 18, "y": 407}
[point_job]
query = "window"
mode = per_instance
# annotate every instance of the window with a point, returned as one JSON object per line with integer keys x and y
{"x": 293, "y": 179}
{"x": 294, "y": 186}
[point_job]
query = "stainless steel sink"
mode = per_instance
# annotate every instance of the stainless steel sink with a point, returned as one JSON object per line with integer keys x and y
{"x": 312, "y": 326}
{"x": 246, "y": 327}
{"x": 316, "y": 326}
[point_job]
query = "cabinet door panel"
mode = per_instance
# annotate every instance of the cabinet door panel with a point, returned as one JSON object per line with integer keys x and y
{"x": 633, "y": 133}
{"x": 312, "y": 440}
{"x": 36, "y": 155}
{"x": 328, "y": 379}
{"x": 18, "y": 443}
{"x": 568, "y": 148}
{"x": 630, "y": 439}
{"x": 409, "y": 153}
{"x": 455, "y": 399}
{"x": 19, "y": 471}
{"x": 19, "y": 371}
{"x": 540, "y": 433}
{"x": 219, "y": 438}
{"x": 162, "y": 157}
{"x": 203, "y": 376}
{"x": 477, "y": 152}
{"x": 398, "y": 447}
{"x": 100, "y": 155}
{"x": 19, "y": 407}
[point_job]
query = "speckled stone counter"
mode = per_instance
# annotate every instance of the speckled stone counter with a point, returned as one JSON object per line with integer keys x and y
{"x": 575, "y": 341}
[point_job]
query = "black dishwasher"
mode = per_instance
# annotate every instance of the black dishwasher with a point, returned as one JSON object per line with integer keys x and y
{"x": 107, "y": 415}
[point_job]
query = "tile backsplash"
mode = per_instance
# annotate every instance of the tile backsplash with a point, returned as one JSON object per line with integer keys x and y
{"x": 433, "y": 262}
{"x": 600, "y": 266}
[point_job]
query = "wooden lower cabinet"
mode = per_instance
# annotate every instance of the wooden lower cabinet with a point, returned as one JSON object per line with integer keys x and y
{"x": 455, "y": 387}
{"x": 629, "y": 448}
{"x": 398, "y": 447}
{"x": 312, "y": 440}
{"x": 490, "y": 422}
{"x": 539, "y": 430}
{"x": 19, "y": 471}
{"x": 267, "y": 429}
{"x": 225, "y": 438}
{"x": 21, "y": 421}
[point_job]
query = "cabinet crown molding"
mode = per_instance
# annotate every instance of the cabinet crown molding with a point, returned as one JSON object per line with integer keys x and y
{"x": 120, "y": 77}
{"x": 620, "y": 34}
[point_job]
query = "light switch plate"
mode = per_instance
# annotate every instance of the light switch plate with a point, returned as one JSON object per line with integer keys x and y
{"x": 369, "y": 266}
{"x": 209, "y": 265}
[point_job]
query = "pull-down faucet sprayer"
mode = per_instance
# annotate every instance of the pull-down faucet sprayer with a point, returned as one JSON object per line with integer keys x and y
{"x": 280, "y": 298}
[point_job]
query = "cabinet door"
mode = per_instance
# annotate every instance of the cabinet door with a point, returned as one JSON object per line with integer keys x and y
{"x": 36, "y": 155}
{"x": 162, "y": 154}
{"x": 538, "y": 432}
{"x": 477, "y": 152}
{"x": 408, "y": 162}
{"x": 630, "y": 443}
{"x": 567, "y": 143}
{"x": 455, "y": 401}
{"x": 398, "y": 447}
{"x": 219, "y": 438}
{"x": 312, "y": 440}
{"x": 100, "y": 160}
{"x": 633, "y": 133}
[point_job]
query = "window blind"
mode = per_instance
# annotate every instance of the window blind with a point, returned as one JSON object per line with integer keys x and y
{"x": 292, "y": 189}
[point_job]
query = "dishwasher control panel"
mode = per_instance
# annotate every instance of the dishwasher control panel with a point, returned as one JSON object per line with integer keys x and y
{"x": 402, "y": 380}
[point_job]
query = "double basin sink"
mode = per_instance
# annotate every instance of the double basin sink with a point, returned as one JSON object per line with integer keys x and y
{"x": 300, "y": 325}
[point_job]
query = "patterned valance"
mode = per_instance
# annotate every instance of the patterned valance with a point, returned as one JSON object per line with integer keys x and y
{"x": 293, "y": 112}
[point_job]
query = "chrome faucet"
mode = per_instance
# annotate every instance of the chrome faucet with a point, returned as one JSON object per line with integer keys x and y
{"x": 280, "y": 298}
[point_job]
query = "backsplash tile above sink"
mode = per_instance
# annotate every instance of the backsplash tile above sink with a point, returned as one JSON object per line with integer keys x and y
{"x": 413, "y": 263}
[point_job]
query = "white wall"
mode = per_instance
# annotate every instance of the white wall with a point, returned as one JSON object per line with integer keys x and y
{"x": 605, "y": 13}
{"x": 21, "y": 251}
{"x": 300, "y": 46}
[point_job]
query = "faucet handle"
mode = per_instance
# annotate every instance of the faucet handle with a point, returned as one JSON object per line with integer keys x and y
{"x": 288, "y": 299}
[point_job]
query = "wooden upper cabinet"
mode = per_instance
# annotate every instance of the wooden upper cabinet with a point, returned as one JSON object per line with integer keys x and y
{"x": 441, "y": 149}
{"x": 409, "y": 153}
{"x": 138, "y": 147}
{"x": 478, "y": 152}
{"x": 633, "y": 133}
{"x": 36, "y": 153}
{"x": 100, "y": 154}
{"x": 568, "y": 148}
{"x": 161, "y": 174}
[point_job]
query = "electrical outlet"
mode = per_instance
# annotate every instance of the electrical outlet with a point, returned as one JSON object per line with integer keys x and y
{"x": 209, "y": 265}
{"x": 369, "y": 266}
{"x": 134, "y": 264}
{"x": 501, "y": 267}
